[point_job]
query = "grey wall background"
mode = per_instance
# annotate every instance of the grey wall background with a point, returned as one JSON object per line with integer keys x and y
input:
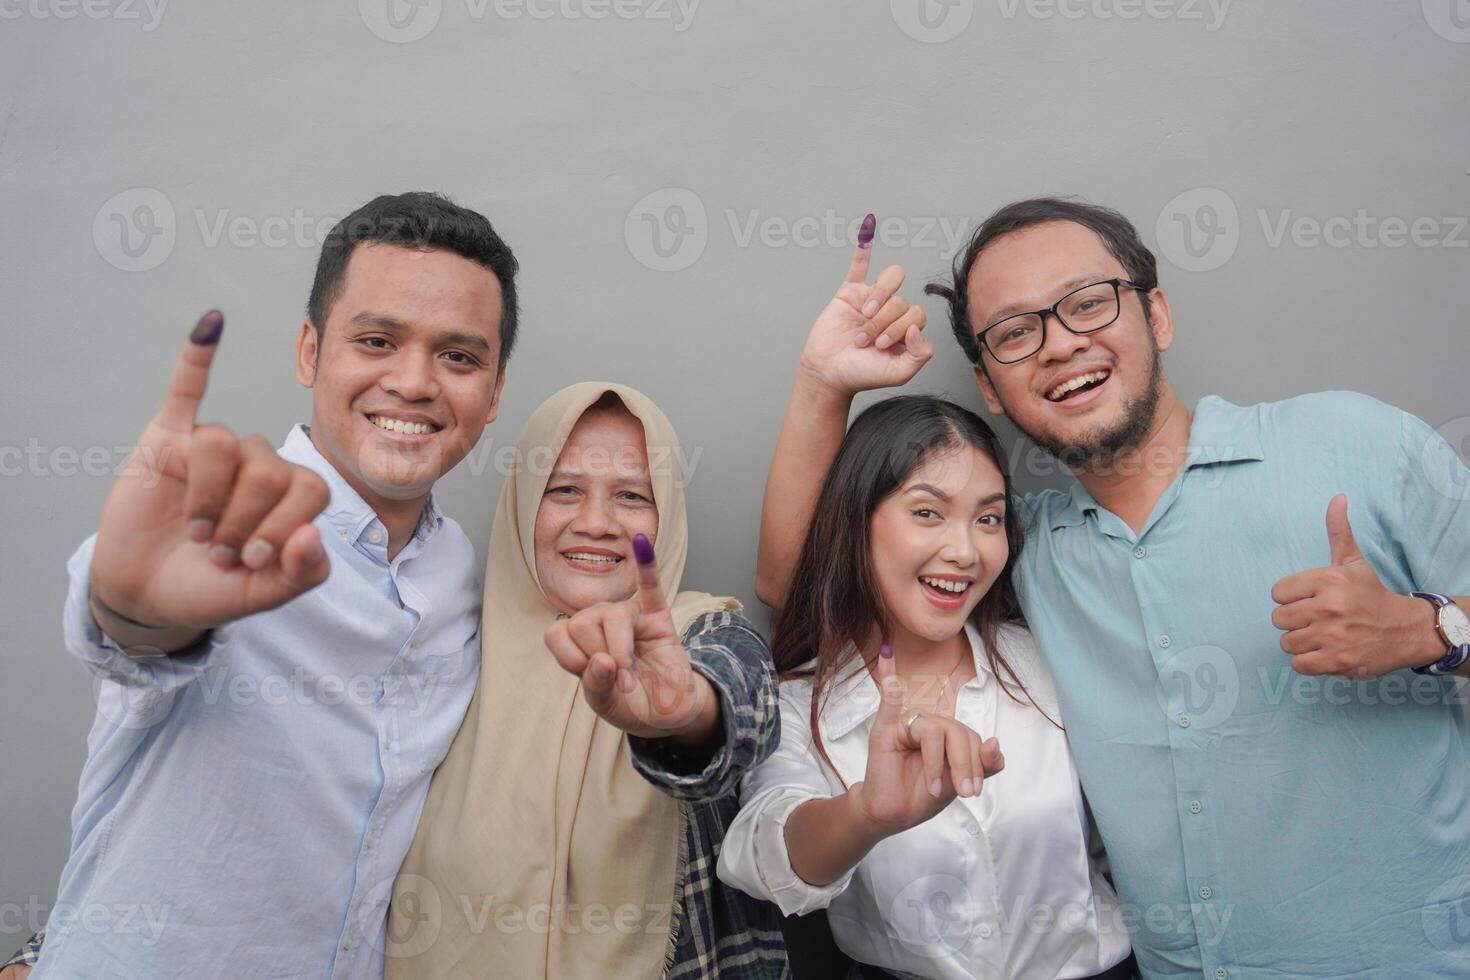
{"x": 159, "y": 160}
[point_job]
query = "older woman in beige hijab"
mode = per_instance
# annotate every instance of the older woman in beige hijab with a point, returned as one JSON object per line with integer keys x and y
{"x": 571, "y": 830}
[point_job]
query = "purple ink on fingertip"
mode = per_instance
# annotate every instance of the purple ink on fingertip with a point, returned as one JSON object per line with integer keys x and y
{"x": 865, "y": 233}
{"x": 642, "y": 550}
{"x": 886, "y": 652}
{"x": 206, "y": 332}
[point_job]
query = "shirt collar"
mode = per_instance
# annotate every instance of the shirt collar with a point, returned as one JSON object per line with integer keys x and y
{"x": 347, "y": 511}
{"x": 1221, "y": 432}
{"x": 854, "y": 697}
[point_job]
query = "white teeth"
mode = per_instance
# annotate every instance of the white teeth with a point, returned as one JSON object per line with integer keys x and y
{"x": 1075, "y": 383}
{"x": 399, "y": 425}
{"x": 945, "y": 584}
{"x": 594, "y": 559}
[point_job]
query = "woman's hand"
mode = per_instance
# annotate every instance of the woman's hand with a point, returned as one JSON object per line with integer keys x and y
{"x": 915, "y": 768}
{"x": 635, "y": 671}
{"x": 867, "y": 336}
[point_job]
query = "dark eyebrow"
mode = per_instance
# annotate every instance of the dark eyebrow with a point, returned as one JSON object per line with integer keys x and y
{"x": 930, "y": 490}
{"x": 458, "y": 338}
{"x": 1061, "y": 290}
{"x": 936, "y": 492}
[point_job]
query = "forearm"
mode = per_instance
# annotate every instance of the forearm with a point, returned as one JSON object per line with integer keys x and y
{"x": 826, "y": 838}
{"x": 812, "y": 432}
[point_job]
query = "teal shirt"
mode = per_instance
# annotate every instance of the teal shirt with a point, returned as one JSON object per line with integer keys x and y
{"x": 1259, "y": 822}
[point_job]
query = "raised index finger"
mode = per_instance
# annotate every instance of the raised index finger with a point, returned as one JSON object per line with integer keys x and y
{"x": 191, "y": 374}
{"x": 862, "y": 255}
{"x": 650, "y": 595}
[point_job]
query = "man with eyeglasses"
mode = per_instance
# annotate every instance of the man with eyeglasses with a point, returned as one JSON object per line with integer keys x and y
{"x": 1260, "y": 707}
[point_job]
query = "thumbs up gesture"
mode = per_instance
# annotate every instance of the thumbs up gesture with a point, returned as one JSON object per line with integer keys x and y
{"x": 635, "y": 671}
{"x": 201, "y": 527}
{"x": 1341, "y": 619}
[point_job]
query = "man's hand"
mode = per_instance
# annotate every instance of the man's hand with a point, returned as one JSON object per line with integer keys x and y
{"x": 203, "y": 527}
{"x": 1342, "y": 620}
{"x": 18, "y": 972}
{"x": 867, "y": 336}
{"x": 635, "y": 671}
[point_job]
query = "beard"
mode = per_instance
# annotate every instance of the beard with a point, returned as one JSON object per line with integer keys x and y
{"x": 1098, "y": 448}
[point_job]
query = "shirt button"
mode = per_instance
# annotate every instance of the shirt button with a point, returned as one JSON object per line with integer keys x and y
{"x": 369, "y": 841}
{"x": 1195, "y": 806}
{"x": 1140, "y": 551}
{"x": 1165, "y": 642}
{"x": 1183, "y": 720}
{"x": 1220, "y": 973}
{"x": 985, "y": 931}
{"x": 344, "y": 535}
{"x": 1204, "y": 891}
{"x": 972, "y": 828}
{"x": 375, "y": 536}
{"x": 346, "y": 944}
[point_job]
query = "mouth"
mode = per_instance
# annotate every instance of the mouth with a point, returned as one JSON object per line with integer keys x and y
{"x": 1079, "y": 389}
{"x": 948, "y": 594}
{"x": 403, "y": 428}
{"x": 597, "y": 561}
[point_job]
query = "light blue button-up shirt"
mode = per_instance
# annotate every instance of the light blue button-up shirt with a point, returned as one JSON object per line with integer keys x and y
{"x": 244, "y": 807}
{"x": 1262, "y": 823}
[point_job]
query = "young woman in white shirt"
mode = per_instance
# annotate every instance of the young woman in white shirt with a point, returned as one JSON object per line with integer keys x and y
{"x": 872, "y": 808}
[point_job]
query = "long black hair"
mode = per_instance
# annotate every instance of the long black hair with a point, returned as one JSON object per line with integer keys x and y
{"x": 834, "y": 603}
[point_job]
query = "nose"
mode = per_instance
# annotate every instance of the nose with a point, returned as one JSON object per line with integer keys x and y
{"x": 959, "y": 546}
{"x": 411, "y": 377}
{"x": 1061, "y": 344}
{"x": 595, "y": 518}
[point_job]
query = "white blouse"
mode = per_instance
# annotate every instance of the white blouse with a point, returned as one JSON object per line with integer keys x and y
{"x": 999, "y": 885}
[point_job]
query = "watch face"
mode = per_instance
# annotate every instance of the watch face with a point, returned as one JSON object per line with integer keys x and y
{"x": 1456, "y": 624}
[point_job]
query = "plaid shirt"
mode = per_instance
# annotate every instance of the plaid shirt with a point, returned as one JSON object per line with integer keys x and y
{"x": 720, "y": 932}
{"x": 26, "y": 955}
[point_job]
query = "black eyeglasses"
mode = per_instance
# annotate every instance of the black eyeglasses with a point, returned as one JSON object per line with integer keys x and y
{"x": 1084, "y": 310}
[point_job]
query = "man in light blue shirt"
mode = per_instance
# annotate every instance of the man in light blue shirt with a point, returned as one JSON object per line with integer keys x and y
{"x": 1281, "y": 792}
{"x": 286, "y": 642}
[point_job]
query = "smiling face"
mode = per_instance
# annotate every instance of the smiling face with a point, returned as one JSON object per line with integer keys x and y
{"x": 1086, "y": 397}
{"x": 405, "y": 375}
{"x": 939, "y": 542}
{"x": 599, "y": 496}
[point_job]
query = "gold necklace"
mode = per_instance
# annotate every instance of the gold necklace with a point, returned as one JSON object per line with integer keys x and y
{"x": 944, "y": 686}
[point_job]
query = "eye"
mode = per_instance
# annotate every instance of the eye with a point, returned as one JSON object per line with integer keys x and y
{"x": 927, "y": 513}
{"x": 994, "y": 520}
{"x": 375, "y": 343}
{"x": 633, "y": 497}
{"x": 461, "y": 358}
{"x": 560, "y": 491}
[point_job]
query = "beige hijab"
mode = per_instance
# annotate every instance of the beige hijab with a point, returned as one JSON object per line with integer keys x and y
{"x": 537, "y": 833}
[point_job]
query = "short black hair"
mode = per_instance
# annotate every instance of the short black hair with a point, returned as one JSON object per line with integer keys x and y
{"x": 1116, "y": 231}
{"x": 418, "y": 220}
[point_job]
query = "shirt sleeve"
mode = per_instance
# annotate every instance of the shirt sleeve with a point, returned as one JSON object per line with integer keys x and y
{"x": 163, "y": 673}
{"x": 28, "y": 952}
{"x": 1434, "y": 508}
{"x": 727, "y": 651}
{"x": 753, "y": 857}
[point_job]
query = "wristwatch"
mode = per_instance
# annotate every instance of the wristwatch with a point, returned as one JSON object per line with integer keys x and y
{"x": 1453, "y": 627}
